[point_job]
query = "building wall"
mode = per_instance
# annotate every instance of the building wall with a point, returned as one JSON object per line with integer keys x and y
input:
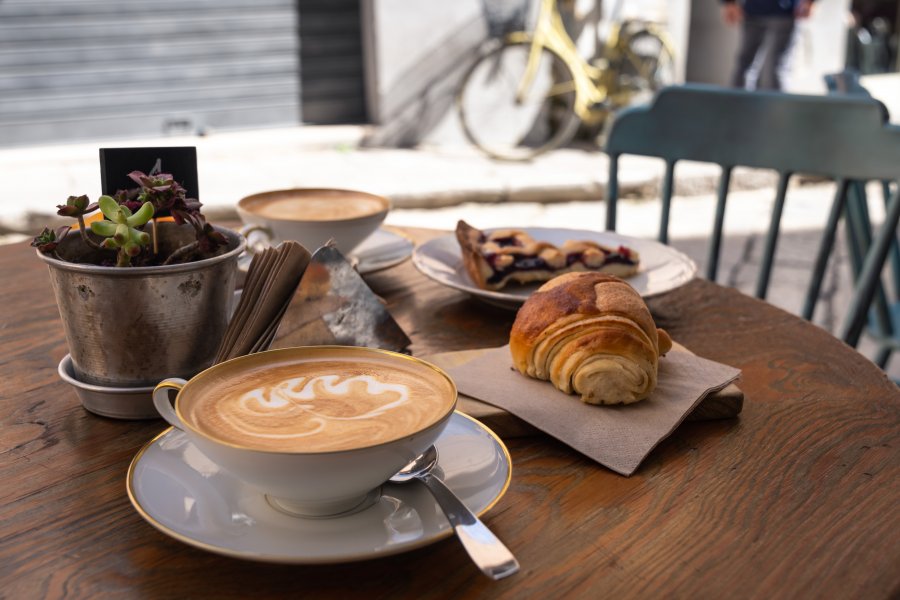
{"x": 415, "y": 57}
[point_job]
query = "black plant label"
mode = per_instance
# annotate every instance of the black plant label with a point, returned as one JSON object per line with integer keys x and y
{"x": 117, "y": 163}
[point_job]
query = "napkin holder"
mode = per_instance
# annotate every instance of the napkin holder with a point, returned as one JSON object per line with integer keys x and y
{"x": 333, "y": 305}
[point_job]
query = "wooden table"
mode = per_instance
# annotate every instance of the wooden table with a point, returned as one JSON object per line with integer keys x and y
{"x": 796, "y": 498}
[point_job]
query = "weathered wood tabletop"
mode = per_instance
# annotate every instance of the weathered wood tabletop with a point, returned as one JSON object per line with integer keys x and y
{"x": 795, "y": 498}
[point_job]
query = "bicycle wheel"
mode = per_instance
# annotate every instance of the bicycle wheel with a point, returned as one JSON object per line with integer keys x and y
{"x": 646, "y": 67}
{"x": 506, "y": 124}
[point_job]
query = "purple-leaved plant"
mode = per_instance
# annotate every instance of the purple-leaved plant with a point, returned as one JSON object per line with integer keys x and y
{"x": 122, "y": 230}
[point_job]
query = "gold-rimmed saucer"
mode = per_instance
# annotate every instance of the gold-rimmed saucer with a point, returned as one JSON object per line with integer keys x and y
{"x": 188, "y": 497}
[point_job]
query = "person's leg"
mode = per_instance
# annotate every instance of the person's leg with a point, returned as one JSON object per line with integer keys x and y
{"x": 753, "y": 32}
{"x": 781, "y": 33}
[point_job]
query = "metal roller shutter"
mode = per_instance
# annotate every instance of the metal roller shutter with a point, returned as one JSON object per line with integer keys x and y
{"x": 77, "y": 69}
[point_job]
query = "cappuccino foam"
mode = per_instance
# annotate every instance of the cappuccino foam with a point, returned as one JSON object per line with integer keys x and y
{"x": 299, "y": 208}
{"x": 320, "y": 405}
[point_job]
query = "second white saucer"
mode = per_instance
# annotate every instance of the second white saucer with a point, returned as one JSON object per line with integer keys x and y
{"x": 381, "y": 250}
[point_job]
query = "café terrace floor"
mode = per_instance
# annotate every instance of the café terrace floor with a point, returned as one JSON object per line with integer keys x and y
{"x": 437, "y": 185}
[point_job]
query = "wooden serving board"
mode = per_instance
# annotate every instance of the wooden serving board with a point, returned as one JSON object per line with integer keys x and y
{"x": 725, "y": 404}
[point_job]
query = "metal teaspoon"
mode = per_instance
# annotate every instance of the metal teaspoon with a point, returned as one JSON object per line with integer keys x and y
{"x": 486, "y": 550}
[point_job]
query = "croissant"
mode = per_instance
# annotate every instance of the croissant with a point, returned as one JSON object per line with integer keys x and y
{"x": 590, "y": 334}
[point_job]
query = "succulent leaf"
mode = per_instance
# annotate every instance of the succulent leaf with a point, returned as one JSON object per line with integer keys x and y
{"x": 123, "y": 234}
{"x": 144, "y": 214}
{"x": 137, "y": 177}
{"x": 48, "y": 239}
{"x": 75, "y": 206}
{"x": 109, "y": 207}
{"x": 132, "y": 249}
{"x": 139, "y": 237}
{"x": 104, "y": 228}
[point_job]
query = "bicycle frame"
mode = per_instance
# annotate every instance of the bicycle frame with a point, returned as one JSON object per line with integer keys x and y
{"x": 592, "y": 85}
{"x": 550, "y": 33}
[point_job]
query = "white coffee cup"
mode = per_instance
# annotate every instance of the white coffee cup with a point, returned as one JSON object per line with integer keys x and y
{"x": 315, "y": 429}
{"x": 312, "y": 217}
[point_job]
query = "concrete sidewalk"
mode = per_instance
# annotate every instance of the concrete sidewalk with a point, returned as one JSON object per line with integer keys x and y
{"x": 232, "y": 165}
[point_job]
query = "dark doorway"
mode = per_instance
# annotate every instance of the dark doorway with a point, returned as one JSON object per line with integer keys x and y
{"x": 332, "y": 83}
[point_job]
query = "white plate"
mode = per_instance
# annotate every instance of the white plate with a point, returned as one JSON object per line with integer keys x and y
{"x": 185, "y": 495}
{"x": 381, "y": 250}
{"x": 662, "y": 268}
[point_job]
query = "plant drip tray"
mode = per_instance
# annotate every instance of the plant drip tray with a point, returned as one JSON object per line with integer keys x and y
{"x": 115, "y": 402}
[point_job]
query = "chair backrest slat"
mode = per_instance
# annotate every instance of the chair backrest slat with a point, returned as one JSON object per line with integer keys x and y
{"x": 668, "y": 188}
{"x": 768, "y": 259}
{"x": 828, "y": 236}
{"x": 715, "y": 243}
{"x": 612, "y": 192}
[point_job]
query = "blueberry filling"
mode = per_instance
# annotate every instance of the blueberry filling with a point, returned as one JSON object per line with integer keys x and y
{"x": 535, "y": 263}
{"x": 507, "y": 241}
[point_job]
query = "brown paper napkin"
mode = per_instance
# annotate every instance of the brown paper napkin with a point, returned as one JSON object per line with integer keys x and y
{"x": 618, "y": 437}
{"x": 271, "y": 280}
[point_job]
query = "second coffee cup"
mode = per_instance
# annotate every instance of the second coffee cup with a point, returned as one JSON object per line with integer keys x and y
{"x": 312, "y": 216}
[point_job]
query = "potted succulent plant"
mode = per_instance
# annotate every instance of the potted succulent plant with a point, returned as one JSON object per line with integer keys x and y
{"x": 142, "y": 298}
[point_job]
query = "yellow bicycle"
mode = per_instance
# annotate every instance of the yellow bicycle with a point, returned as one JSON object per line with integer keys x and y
{"x": 528, "y": 93}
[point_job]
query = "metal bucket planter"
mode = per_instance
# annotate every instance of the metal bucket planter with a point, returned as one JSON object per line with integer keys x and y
{"x": 135, "y": 326}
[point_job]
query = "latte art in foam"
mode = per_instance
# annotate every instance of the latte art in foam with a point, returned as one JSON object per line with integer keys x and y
{"x": 318, "y": 397}
{"x": 321, "y": 406}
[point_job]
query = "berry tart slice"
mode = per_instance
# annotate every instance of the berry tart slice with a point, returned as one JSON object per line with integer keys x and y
{"x": 494, "y": 259}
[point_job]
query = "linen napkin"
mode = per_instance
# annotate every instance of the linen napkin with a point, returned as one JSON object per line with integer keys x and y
{"x": 618, "y": 437}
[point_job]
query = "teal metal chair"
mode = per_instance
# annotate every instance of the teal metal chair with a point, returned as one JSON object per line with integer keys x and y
{"x": 883, "y": 322}
{"x": 846, "y": 138}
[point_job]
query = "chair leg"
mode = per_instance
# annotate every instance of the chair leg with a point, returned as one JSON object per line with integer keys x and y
{"x": 870, "y": 276}
{"x": 895, "y": 246}
{"x": 861, "y": 232}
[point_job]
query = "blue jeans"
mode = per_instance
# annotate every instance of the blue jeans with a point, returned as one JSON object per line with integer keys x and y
{"x": 755, "y": 32}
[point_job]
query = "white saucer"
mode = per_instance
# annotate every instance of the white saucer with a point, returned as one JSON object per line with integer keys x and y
{"x": 662, "y": 268}
{"x": 381, "y": 250}
{"x": 185, "y": 495}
